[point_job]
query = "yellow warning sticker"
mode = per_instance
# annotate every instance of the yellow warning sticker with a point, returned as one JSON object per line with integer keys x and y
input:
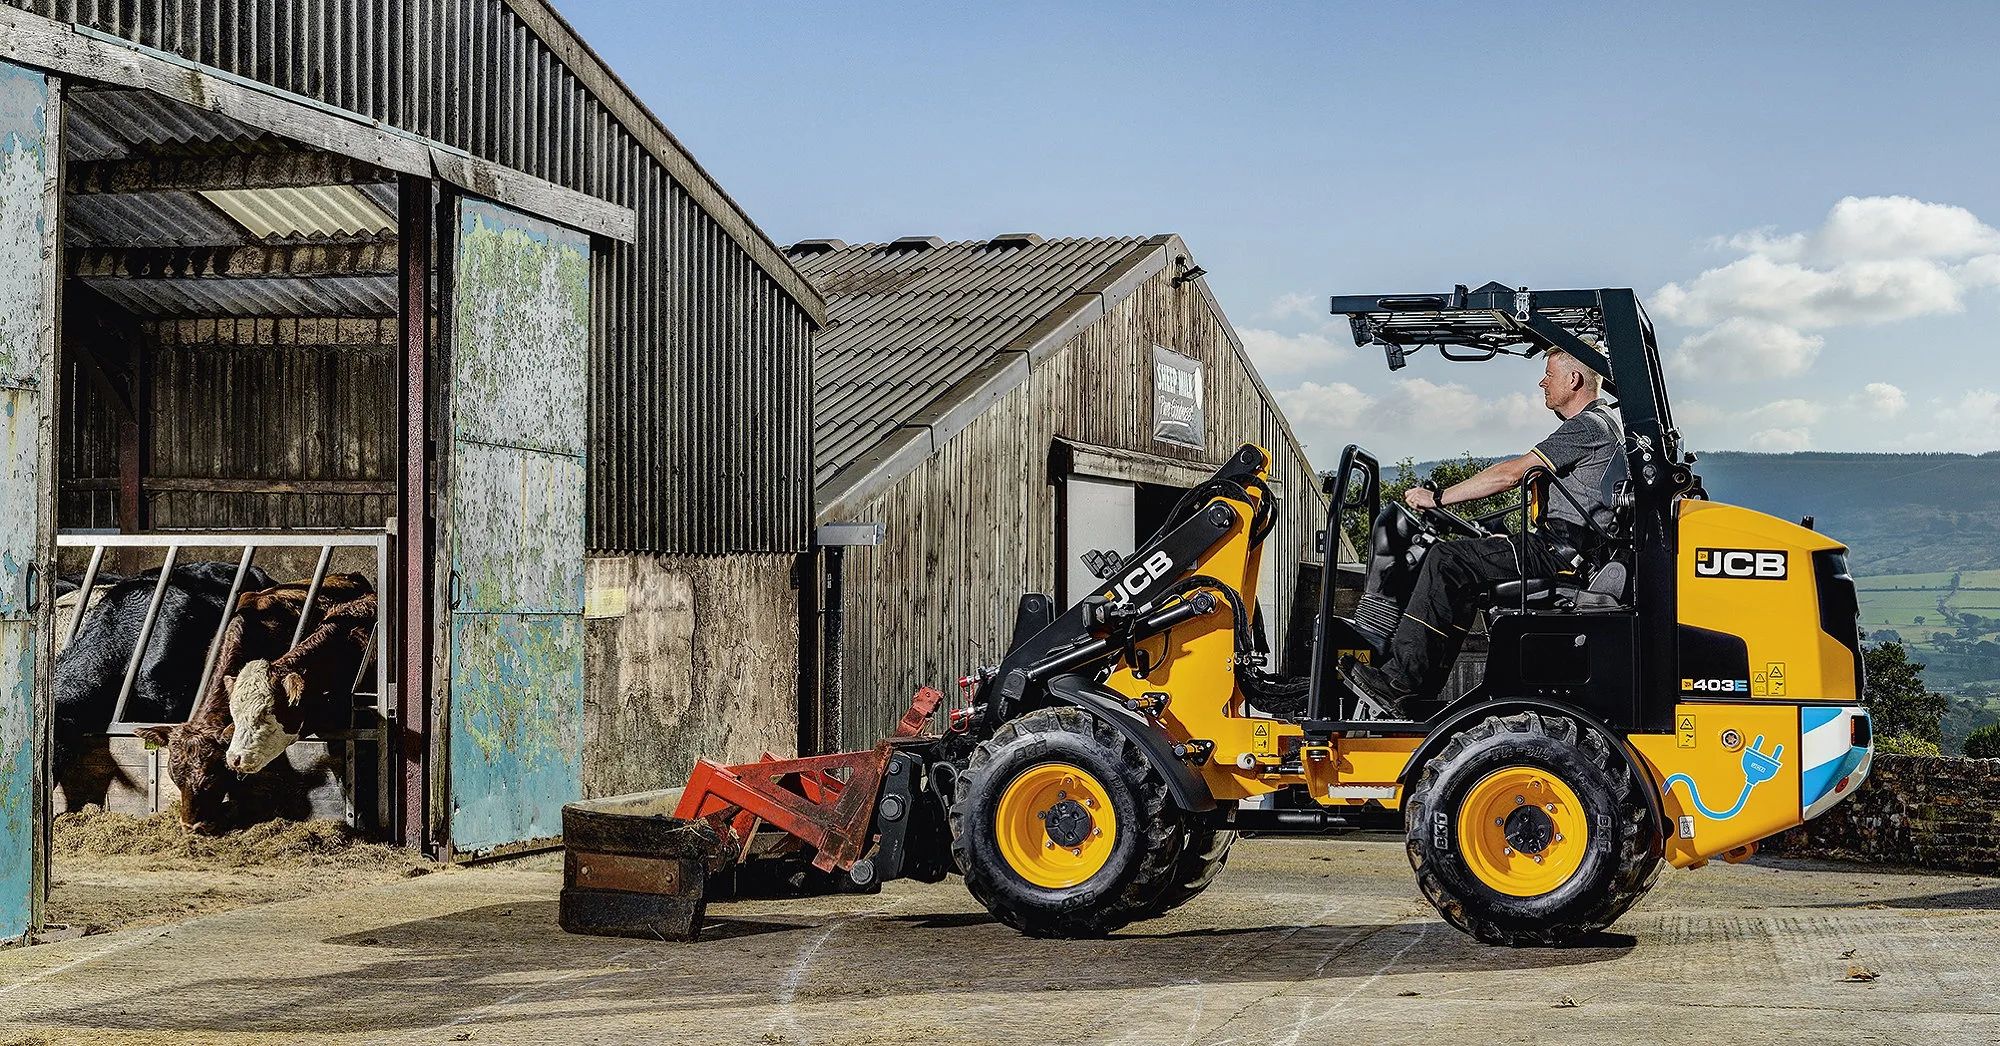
{"x": 1363, "y": 656}
{"x": 1684, "y": 732}
{"x": 1774, "y": 673}
{"x": 1261, "y": 738}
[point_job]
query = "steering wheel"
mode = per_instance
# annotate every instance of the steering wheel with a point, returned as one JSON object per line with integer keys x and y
{"x": 1441, "y": 519}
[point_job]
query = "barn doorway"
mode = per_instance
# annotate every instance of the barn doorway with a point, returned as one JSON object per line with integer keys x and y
{"x": 231, "y": 385}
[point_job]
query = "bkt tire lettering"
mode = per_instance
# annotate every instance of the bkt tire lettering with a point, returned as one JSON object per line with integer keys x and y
{"x": 1142, "y": 576}
{"x": 1755, "y": 564}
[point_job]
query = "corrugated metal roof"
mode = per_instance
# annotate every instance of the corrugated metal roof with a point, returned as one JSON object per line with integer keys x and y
{"x": 105, "y": 124}
{"x": 259, "y": 296}
{"x": 149, "y": 219}
{"x": 311, "y": 211}
{"x": 908, "y": 319}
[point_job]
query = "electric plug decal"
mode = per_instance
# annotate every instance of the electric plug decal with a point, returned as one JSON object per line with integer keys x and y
{"x": 1758, "y": 767}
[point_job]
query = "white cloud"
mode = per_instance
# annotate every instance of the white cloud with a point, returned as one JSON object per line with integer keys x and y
{"x": 1414, "y": 416}
{"x": 1781, "y": 441}
{"x": 1875, "y": 259}
{"x": 1297, "y": 306}
{"x": 1313, "y": 352}
{"x": 1879, "y": 399}
{"x": 1970, "y": 423}
{"x": 1743, "y": 349}
{"x": 1788, "y": 412}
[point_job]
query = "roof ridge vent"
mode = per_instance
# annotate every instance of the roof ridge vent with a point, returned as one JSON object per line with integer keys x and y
{"x": 806, "y": 248}
{"x": 1015, "y": 239}
{"x": 916, "y": 243}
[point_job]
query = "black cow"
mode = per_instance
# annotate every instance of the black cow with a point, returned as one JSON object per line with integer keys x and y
{"x": 91, "y": 668}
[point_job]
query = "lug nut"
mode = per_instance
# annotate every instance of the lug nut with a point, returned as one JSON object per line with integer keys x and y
{"x": 1538, "y": 858}
{"x": 1051, "y": 844}
{"x": 1559, "y": 837}
{"x": 1096, "y": 831}
{"x": 1507, "y": 851}
{"x": 1043, "y": 814}
{"x": 1499, "y": 820}
{"x": 1060, "y": 794}
{"x": 1077, "y": 851}
{"x": 1519, "y": 799}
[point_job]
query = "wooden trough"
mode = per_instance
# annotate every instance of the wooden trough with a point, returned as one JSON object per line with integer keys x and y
{"x": 632, "y": 869}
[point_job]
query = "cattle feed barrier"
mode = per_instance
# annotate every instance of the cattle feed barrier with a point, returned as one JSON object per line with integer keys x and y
{"x": 372, "y": 720}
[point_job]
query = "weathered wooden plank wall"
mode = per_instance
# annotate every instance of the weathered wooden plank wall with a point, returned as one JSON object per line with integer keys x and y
{"x": 974, "y": 525}
{"x": 686, "y": 656}
{"x": 275, "y": 401}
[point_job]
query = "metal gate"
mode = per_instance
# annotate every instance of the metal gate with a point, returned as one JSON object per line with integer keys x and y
{"x": 520, "y": 337}
{"x": 28, "y": 122}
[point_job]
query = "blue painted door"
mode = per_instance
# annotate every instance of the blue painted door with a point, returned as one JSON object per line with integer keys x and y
{"x": 27, "y": 272}
{"x": 520, "y": 319}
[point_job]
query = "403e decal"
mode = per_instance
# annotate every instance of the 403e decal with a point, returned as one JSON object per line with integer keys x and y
{"x": 1715, "y": 686}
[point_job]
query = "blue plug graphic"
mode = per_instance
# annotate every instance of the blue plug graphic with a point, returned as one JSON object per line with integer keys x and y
{"x": 1757, "y": 769}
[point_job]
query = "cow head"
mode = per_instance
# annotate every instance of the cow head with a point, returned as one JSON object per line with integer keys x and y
{"x": 257, "y": 698}
{"x": 196, "y": 762}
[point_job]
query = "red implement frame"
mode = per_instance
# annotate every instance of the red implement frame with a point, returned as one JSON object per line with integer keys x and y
{"x": 804, "y": 798}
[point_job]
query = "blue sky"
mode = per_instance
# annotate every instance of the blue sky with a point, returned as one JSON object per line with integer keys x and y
{"x": 1699, "y": 153}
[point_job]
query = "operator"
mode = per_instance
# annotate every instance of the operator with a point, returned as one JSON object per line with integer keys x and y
{"x": 1434, "y": 623}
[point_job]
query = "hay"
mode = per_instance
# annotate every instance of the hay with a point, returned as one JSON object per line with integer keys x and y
{"x": 98, "y": 833}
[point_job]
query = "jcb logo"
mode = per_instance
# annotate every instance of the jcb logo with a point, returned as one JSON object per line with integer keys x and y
{"x": 1142, "y": 576}
{"x": 1755, "y": 563}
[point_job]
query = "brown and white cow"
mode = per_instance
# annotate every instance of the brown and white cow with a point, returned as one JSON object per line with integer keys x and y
{"x": 274, "y": 703}
{"x": 261, "y": 630}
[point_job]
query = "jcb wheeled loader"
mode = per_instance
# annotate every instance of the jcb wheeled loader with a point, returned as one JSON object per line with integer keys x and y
{"x": 1694, "y": 687}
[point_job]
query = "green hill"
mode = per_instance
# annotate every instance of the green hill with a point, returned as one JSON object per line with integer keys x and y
{"x": 1897, "y": 513}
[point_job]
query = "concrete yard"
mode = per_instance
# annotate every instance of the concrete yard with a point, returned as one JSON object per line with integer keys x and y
{"x": 1299, "y": 941}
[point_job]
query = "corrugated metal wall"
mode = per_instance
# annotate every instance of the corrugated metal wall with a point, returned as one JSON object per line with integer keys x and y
{"x": 974, "y": 525}
{"x": 701, "y": 365}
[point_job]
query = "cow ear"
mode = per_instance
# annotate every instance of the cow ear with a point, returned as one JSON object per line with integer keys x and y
{"x": 228, "y": 732}
{"x": 295, "y": 686}
{"x": 154, "y": 736}
{"x": 229, "y": 685}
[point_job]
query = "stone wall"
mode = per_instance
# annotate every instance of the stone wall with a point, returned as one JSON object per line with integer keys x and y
{"x": 1913, "y": 810}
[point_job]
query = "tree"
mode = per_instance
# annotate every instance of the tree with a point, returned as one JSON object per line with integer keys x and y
{"x": 1443, "y": 474}
{"x": 1920, "y": 621}
{"x": 1897, "y": 698}
{"x": 1984, "y": 743}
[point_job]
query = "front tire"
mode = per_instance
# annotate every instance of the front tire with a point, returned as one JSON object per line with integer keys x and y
{"x": 1530, "y": 830}
{"x": 1062, "y": 828}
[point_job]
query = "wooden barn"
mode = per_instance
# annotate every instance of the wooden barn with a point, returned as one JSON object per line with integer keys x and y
{"x": 420, "y": 291}
{"x": 999, "y": 408}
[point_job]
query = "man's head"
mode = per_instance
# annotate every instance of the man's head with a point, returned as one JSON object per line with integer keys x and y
{"x": 1567, "y": 385}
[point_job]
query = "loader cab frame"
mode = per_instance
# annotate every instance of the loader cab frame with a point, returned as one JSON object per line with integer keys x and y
{"x": 1625, "y": 661}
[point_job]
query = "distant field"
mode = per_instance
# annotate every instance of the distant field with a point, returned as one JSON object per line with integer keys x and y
{"x": 1896, "y": 601}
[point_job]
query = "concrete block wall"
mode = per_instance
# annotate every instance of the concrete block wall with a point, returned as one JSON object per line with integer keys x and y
{"x": 1913, "y": 810}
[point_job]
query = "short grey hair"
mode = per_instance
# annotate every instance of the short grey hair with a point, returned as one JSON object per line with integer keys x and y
{"x": 1570, "y": 363}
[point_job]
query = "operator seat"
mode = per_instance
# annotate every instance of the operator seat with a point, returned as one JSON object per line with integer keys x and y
{"x": 1607, "y": 567}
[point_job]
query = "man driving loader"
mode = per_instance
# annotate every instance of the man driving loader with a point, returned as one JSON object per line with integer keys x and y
{"x": 1434, "y": 624}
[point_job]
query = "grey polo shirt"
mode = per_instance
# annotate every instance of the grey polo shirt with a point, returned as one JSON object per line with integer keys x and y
{"x": 1578, "y": 452}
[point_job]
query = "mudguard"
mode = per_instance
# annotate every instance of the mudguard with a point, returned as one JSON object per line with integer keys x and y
{"x": 1477, "y": 708}
{"x": 1187, "y": 786}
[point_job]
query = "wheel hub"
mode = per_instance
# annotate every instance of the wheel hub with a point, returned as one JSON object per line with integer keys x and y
{"x": 1068, "y": 823}
{"x": 1529, "y": 829}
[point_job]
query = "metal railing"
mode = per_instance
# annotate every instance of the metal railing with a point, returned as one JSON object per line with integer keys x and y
{"x": 371, "y": 718}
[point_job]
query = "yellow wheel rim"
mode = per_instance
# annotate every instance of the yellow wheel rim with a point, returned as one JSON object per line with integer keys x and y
{"x": 1522, "y": 831}
{"x": 1055, "y": 825}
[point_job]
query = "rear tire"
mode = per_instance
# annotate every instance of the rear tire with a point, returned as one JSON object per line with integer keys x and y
{"x": 1062, "y": 828}
{"x": 1530, "y": 829}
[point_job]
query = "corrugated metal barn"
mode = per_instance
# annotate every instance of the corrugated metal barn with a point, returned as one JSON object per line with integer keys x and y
{"x": 1002, "y": 407}
{"x": 418, "y": 283}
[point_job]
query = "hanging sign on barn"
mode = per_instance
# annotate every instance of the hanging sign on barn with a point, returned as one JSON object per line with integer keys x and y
{"x": 1177, "y": 382}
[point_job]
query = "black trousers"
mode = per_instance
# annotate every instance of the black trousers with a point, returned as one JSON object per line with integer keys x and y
{"x": 1440, "y": 609}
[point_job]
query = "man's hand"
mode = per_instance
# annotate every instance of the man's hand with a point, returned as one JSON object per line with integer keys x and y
{"x": 1421, "y": 498}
